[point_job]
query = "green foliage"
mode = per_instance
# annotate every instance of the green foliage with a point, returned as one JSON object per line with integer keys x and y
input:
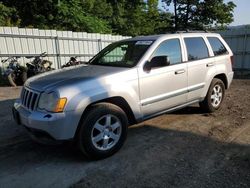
{"x": 201, "y": 14}
{"x": 8, "y": 16}
{"x": 137, "y": 17}
{"x": 216, "y": 12}
{"x": 98, "y": 8}
{"x": 70, "y": 16}
{"x": 34, "y": 13}
{"x": 58, "y": 14}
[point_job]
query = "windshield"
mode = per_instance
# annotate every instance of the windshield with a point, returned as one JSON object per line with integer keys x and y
{"x": 121, "y": 54}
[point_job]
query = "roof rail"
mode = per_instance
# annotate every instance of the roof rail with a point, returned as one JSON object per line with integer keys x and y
{"x": 192, "y": 31}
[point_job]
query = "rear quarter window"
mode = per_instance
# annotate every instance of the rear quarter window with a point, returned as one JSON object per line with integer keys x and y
{"x": 217, "y": 46}
{"x": 196, "y": 48}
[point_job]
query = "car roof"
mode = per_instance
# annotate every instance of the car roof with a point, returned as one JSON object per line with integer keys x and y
{"x": 155, "y": 37}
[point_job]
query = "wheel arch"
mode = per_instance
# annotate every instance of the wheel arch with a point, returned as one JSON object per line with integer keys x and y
{"x": 118, "y": 101}
{"x": 223, "y": 78}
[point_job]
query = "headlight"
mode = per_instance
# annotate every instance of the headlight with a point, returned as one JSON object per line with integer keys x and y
{"x": 51, "y": 102}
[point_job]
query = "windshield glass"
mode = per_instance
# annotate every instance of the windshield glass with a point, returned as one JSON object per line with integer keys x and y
{"x": 121, "y": 54}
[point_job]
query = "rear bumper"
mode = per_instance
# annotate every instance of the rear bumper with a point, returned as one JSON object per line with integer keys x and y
{"x": 230, "y": 76}
{"x": 58, "y": 126}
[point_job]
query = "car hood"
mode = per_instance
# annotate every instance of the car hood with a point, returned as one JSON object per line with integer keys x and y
{"x": 69, "y": 75}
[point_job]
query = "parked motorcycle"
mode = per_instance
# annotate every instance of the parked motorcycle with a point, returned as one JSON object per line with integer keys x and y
{"x": 15, "y": 73}
{"x": 72, "y": 62}
{"x": 38, "y": 65}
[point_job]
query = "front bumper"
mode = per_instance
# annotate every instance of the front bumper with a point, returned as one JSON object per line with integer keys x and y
{"x": 59, "y": 126}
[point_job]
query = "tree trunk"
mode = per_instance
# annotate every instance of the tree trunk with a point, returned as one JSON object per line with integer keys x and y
{"x": 187, "y": 15}
{"x": 175, "y": 16}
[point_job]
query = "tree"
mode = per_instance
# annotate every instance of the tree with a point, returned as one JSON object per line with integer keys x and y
{"x": 70, "y": 16}
{"x": 34, "y": 13}
{"x": 199, "y": 14}
{"x": 125, "y": 17}
{"x": 128, "y": 17}
{"x": 8, "y": 16}
{"x": 138, "y": 17}
{"x": 98, "y": 8}
{"x": 55, "y": 14}
{"x": 174, "y": 18}
{"x": 216, "y": 13}
{"x": 135, "y": 18}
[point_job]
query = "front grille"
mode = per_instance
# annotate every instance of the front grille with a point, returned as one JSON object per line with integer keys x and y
{"x": 29, "y": 98}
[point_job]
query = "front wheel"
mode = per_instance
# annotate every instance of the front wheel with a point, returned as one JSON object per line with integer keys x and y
{"x": 103, "y": 131}
{"x": 215, "y": 96}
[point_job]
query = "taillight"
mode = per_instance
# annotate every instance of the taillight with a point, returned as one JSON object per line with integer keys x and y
{"x": 232, "y": 59}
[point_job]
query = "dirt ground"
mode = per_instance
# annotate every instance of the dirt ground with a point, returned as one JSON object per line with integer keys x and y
{"x": 186, "y": 148}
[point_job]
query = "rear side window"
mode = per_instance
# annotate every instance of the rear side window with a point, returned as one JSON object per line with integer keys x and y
{"x": 217, "y": 46}
{"x": 196, "y": 48}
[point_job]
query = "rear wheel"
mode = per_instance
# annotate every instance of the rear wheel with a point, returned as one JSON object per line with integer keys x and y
{"x": 103, "y": 131}
{"x": 215, "y": 96}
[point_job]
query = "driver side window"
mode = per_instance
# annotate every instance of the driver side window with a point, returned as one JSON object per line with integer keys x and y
{"x": 170, "y": 48}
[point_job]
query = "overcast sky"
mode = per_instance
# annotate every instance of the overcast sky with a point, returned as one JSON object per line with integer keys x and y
{"x": 241, "y": 12}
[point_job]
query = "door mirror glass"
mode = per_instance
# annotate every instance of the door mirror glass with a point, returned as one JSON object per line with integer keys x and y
{"x": 156, "y": 62}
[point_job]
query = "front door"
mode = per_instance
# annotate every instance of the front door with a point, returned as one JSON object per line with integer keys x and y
{"x": 164, "y": 87}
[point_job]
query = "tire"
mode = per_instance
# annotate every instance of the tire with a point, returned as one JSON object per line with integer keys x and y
{"x": 214, "y": 97}
{"x": 11, "y": 80}
{"x": 103, "y": 131}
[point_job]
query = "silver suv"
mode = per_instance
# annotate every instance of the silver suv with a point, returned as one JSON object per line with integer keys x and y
{"x": 127, "y": 82}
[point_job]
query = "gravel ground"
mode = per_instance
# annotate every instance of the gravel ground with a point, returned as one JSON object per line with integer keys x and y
{"x": 186, "y": 148}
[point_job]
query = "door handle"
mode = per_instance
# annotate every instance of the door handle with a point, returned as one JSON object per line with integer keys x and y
{"x": 179, "y": 71}
{"x": 210, "y": 64}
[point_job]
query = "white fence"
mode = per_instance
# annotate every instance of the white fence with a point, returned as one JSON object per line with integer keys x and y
{"x": 59, "y": 45}
{"x": 239, "y": 42}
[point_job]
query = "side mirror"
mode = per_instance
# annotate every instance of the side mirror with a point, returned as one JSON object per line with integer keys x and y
{"x": 157, "y": 61}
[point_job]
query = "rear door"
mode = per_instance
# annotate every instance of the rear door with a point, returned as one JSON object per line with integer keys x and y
{"x": 199, "y": 64}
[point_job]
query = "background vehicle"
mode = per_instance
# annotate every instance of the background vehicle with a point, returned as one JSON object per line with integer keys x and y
{"x": 15, "y": 73}
{"x": 126, "y": 83}
{"x": 38, "y": 65}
